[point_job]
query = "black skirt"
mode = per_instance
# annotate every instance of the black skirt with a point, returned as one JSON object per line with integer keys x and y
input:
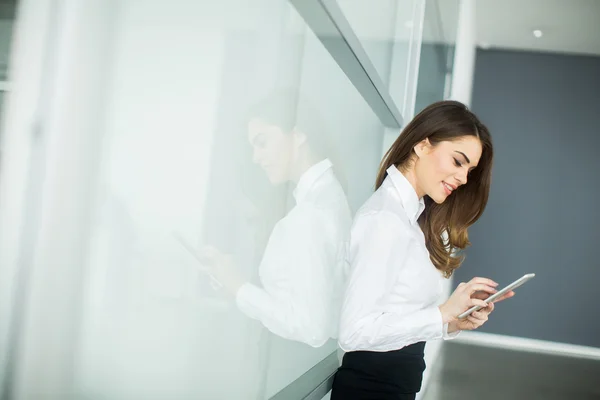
{"x": 380, "y": 375}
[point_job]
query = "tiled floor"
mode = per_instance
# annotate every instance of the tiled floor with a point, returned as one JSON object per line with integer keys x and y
{"x": 472, "y": 372}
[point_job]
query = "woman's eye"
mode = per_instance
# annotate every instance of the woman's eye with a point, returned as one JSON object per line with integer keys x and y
{"x": 457, "y": 163}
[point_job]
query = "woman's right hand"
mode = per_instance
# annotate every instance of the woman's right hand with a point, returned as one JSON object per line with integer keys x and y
{"x": 461, "y": 300}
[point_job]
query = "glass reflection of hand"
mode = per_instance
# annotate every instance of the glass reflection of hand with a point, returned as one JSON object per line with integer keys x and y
{"x": 222, "y": 267}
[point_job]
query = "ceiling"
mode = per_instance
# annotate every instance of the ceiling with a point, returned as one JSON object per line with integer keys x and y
{"x": 568, "y": 26}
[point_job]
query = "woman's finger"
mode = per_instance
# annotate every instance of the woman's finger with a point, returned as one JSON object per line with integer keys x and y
{"x": 488, "y": 309}
{"x": 477, "y": 302}
{"x": 506, "y": 296}
{"x": 480, "y": 295}
{"x": 480, "y": 287}
{"x": 484, "y": 281}
{"x": 480, "y": 315}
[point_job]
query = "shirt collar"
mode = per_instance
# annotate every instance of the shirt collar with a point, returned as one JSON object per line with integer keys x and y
{"x": 308, "y": 179}
{"x": 411, "y": 202}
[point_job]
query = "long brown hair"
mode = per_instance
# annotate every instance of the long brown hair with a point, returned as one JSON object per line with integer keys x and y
{"x": 445, "y": 225}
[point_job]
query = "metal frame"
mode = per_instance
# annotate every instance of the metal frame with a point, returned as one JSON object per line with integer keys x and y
{"x": 329, "y": 24}
{"x": 304, "y": 387}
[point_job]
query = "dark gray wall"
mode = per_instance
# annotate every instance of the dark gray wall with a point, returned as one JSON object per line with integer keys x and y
{"x": 543, "y": 215}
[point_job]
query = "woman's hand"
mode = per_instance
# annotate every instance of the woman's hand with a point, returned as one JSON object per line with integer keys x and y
{"x": 473, "y": 321}
{"x": 484, "y": 296}
{"x": 477, "y": 318}
{"x": 462, "y": 299}
{"x": 222, "y": 267}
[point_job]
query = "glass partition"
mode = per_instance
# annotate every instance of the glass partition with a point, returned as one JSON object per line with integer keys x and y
{"x": 236, "y": 151}
{"x": 390, "y": 33}
{"x": 232, "y": 152}
{"x": 437, "y": 52}
{"x": 6, "y": 27}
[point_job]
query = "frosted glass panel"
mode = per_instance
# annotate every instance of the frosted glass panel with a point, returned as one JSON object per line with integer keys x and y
{"x": 388, "y": 30}
{"x": 353, "y": 135}
{"x": 6, "y": 26}
{"x": 236, "y": 152}
{"x": 375, "y": 25}
{"x": 437, "y": 52}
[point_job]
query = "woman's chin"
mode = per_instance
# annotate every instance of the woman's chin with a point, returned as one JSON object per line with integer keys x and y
{"x": 439, "y": 199}
{"x": 277, "y": 179}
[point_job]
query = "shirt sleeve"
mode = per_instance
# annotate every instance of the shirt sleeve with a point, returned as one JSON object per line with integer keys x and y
{"x": 295, "y": 300}
{"x": 450, "y": 336}
{"x": 378, "y": 252}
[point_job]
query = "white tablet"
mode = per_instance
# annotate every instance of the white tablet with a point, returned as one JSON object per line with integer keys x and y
{"x": 499, "y": 294}
{"x": 214, "y": 282}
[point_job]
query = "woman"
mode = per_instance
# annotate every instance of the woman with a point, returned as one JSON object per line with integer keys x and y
{"x": 433, "y": 184}
{"x": 298, "y": 298}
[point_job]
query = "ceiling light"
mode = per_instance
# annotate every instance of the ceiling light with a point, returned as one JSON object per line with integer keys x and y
{"x": 537, "y": 33}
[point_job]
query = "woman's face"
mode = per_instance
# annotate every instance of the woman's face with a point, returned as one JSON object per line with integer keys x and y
{"x": 273, "y": 149}
{"x": 442, "y": 168}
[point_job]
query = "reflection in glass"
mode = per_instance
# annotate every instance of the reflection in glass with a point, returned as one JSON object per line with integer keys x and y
{"x": 301, "y": 270}
{"x": 221, "y": 215}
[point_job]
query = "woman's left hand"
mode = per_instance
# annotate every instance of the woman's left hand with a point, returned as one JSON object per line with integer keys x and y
{"x": 473, "y": 321}
{"x": 223, "y": 268}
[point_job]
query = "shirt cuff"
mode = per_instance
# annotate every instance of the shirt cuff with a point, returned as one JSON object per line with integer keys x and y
{"x": 249, "y": 299}
{"x": 450, "y": 336}
{"x": 434, "y": 329}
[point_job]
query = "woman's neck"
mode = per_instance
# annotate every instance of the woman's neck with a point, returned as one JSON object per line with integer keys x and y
{"x": 411, "y": 177}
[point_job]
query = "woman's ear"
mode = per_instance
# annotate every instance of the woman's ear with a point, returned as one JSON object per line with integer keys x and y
{"x": 422, "y": 148}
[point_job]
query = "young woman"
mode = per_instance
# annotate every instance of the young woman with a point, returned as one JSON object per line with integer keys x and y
{"x": 432, "y": 185}
{"x": 299, "y": 296}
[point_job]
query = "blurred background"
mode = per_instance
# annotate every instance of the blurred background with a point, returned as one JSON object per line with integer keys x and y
{"x": 178, "y": 180}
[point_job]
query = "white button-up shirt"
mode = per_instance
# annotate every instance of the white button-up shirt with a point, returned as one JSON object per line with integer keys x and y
{"x": 393, "y": 291}
{"x": 302, "y": 270}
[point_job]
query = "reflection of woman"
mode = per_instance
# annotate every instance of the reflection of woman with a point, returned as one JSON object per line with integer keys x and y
{"x": 301, "y": 268}
{"x": 434, "y": 179}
